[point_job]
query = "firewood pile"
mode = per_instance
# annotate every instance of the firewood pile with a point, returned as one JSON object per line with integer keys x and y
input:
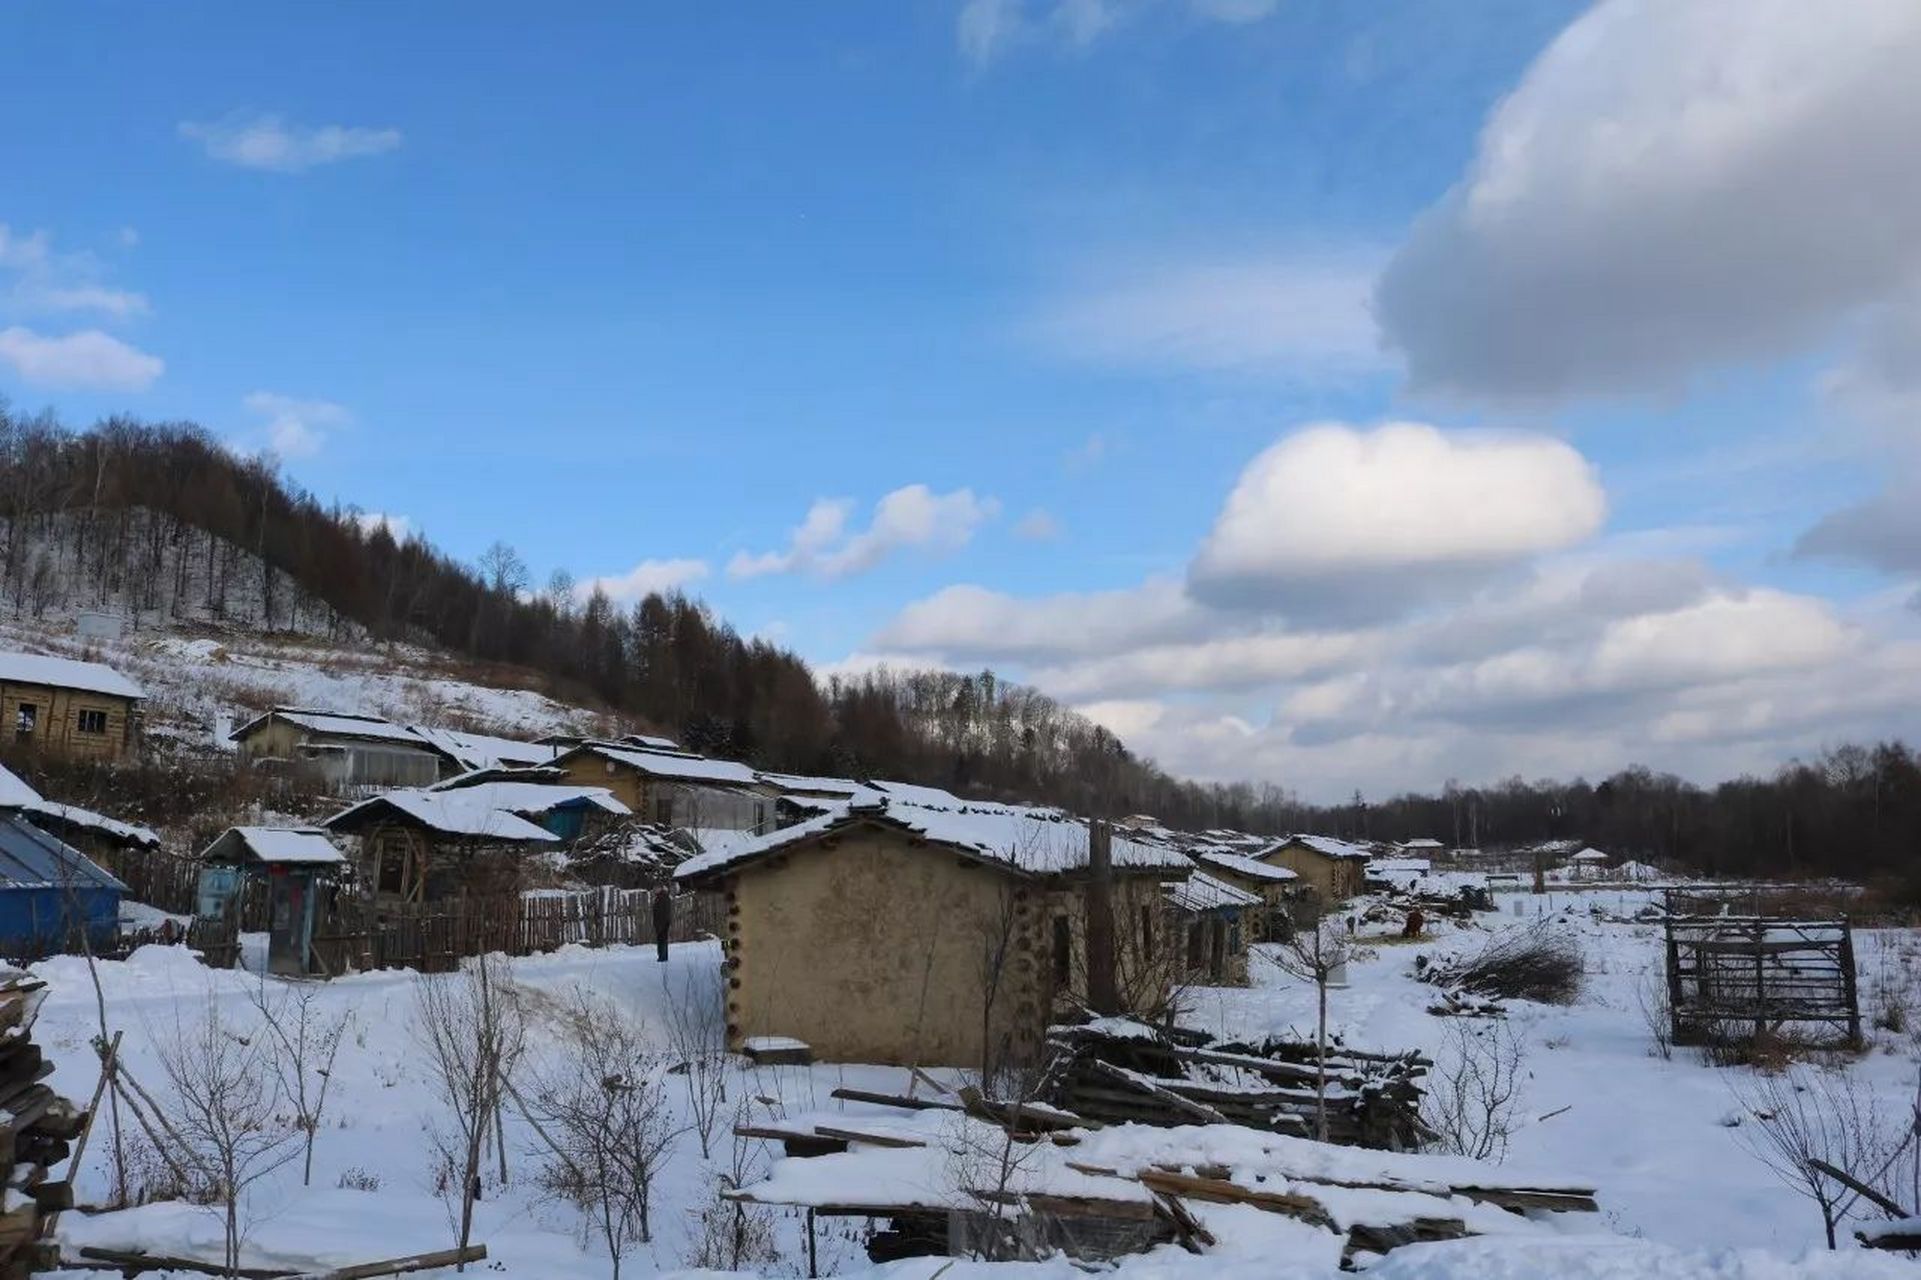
{"x": 37, "y": 1127}
{"x": 1116, "y": 1070}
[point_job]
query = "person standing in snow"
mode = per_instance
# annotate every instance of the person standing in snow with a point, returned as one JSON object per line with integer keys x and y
{"x": 663, "y": 921}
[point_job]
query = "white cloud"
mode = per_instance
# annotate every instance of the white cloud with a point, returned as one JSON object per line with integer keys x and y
{"x": 985, "y": 29}
{"x": 644, "y": 579}
{"x": 1304, "y": 315}
{"x": 88, "y": 358}
{"x": 295, "y": 428}
{"x": 1671, "y": 188}
{"x": 976, "y": 623}
{"x": 47, "y": 281}
{"x": 913, "y": 516}
{"x": 267, "y": 142}
{"x": 397, "y": 527}
{"x": 1335, "y": 520}
{"x": 1038, "y": 525}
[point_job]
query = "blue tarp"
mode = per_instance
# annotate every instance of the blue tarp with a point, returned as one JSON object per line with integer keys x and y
{"x": 47, "y": 887}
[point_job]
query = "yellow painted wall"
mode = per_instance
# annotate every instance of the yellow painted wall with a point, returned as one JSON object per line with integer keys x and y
{"x": 56, "y": 728}
{"x": 1331, "y": 880}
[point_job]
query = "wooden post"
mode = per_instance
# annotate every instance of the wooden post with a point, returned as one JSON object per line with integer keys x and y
{"x": 813, "y": 1258}
{"x": 1848, "y": 989}
{"x": 1760, "y": 976}
{"x": 1103, "y": 988}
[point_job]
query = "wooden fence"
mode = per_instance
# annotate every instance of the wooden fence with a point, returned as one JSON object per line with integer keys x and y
{"x": 435, "y": 937}
{"x": 1734, "y": 976}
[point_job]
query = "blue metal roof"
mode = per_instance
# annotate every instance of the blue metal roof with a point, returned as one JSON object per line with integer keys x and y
{"x": 32, "y": 859}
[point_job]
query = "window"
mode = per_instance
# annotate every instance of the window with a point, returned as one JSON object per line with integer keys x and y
{"x": 91, "y": 721}
{"x": 1147, "y": 935}
{"x": 664, "y": 810}
{"x": 26, "y": 718}
{"x": 1063, "y": 952}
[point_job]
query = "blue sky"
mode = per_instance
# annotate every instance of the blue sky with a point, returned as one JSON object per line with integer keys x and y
{"x": 644, "y": 294}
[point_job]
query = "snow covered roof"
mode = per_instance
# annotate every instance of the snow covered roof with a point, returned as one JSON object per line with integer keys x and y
{"x": 1028, "y": 840}
{"x": 1415, "y": 866}
{"x": 467, "y": 812}
{"x": 1422, "y": 842}
{"x": 1326, "y": 846}
{"x": 800, "y": 785}
{"x": 533, "y": 798}
{"x": 675, "y": 765}
{"x": 1241, "y": 865}
{"x": 65, "y": 673}
{"x": 485, "y": 751}
{"x": 308, "y": 846}
{"x": 339, "y": 724}
{"x": 14, "y": 792}
{"x": 1202, "y": 892}
{"x": 915, "y": 793}
{"x": 1589, "y": 855}
{"x": 62, "y": 816}
{"x": 32, "y": 859}
{"x": 650, "y": 741}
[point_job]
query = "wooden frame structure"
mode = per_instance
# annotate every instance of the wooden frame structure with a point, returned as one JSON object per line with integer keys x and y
{"x": 1735, "y": 975}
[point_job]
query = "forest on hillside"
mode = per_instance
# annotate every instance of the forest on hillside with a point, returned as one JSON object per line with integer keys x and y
{"x": 165, "y": 520}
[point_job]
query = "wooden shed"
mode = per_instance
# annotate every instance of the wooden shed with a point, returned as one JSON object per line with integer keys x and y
{"x": 69, "y": 709}
{"x": 675, "y": 788}
{"x": 1213, "y": 922}
{"x": 1277, "y": 887}
{"x": 297, "y": 865}
{"x": 349, "y": 750}
{"x": 890, "y": 932}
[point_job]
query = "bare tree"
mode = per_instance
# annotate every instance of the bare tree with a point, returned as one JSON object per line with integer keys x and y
{"x": 226, "y": 1102}
{"x": 1809, "y": 1123}
{"x": 697, "y": 1036}
{"x": 603, "y": 1107}
{"x": 1475, "y": 1089}
{"x": 306, "y": 1042}
{"x": 473, "y": 1034}
{"x": 1315, "y": 955}
{"x": 733, "y": 1235}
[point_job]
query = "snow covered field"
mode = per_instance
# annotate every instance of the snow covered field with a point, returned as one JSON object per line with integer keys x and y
{"x": 1681, "y": 1197}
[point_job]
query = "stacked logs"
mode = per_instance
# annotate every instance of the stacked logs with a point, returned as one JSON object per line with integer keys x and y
{"x": 37, "y": 1128}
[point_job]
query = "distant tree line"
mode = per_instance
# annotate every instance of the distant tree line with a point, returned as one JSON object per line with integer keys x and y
{"x": 163, "y": 518}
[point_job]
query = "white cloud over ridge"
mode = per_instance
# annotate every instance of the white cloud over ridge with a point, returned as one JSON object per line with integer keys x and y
{"x": 913, "y": 516}
{"x": 84, "y": 359}
{"x": 295, "y": 428}
{"x": 1672, "y": 187}
{"x": 271, "y": 144}
{"x": 644, "y": 579}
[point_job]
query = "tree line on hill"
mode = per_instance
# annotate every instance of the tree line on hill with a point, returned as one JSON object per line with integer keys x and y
{"x": 163, "y": 518}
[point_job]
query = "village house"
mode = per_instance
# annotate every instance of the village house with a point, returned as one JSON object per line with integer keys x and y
{"x": 674, "y": 788}
{"x": 1276, "y": 887}
{"x": 1211, "y": 925}
{"x": 68, "y": 709}
{"x": 1423, "y": 847}
{"x": 347, "y": 749}
{"x": 103, "y": 839}
{"x": 1331, "y": 870}
{"x": 419, "y": 846}
{"x": 890, "y": 932}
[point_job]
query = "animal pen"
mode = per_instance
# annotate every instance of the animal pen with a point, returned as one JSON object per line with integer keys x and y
{"x": 1733, "y": 976}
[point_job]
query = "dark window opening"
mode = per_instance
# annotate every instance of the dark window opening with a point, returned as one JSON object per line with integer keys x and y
{"x": 91, "y": 722}
{"x": 664, "y": 810}
{"x": 1147, "y": 935}
{"x": 1196, "y": 945}
{"x": 25, "y": 719}
{"x": 1063, "y": 952}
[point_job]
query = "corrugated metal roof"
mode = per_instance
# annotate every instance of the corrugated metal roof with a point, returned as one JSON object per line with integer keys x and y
{"x": 32, "y": 859}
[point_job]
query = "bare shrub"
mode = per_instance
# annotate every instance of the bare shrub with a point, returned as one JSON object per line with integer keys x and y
{"x": 472, "y": 1035}
{"x": 1892, "y": 994}
{"x": 604, "y": 1111}
{"x": 1474, "y": 1093}
{"x": 1804, "y": 1120}
{"x": 1315, "y": 955}
{"x": 355, "y": 1178}
{"x": 728, "y": 1234}
{"x": 697, "y": 1036}
{"x": 225, "y": 1105}
{"x": 1534, "y": 962}
{"x": 306, "y": 1042}
{"x": 1657, "y": 1012}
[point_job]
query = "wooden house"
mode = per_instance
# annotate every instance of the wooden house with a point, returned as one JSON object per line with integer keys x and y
{"x": 889, "y": 932}
{"x": 674, "y": 788}
{"x": 1277, "y": 887}
{"x": 350, "y": 751}
{"x": 68, "y": 709}
{"x": 418, "y": 846}
{"x": 1212, "y": 928}
{"x": 1331, "y": 871}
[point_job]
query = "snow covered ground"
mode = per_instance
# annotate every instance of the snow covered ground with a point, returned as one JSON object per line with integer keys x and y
{"x": 1681, "y": 1197}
